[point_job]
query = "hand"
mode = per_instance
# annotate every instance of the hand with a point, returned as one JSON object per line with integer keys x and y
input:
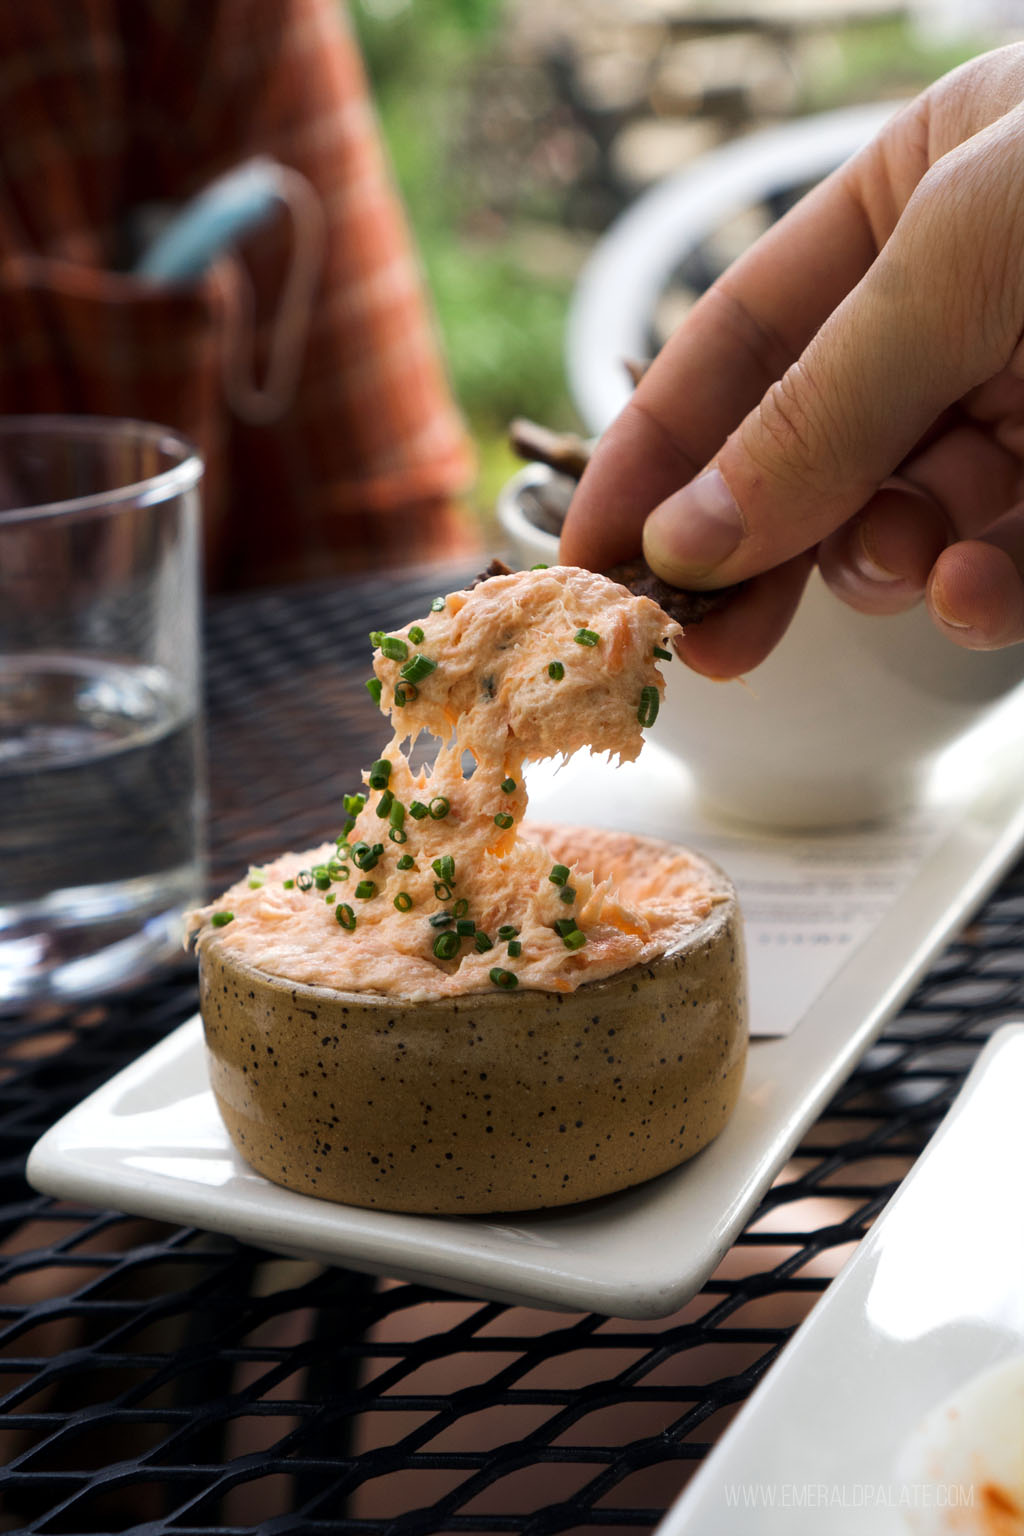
{"x": 852, "y": 389}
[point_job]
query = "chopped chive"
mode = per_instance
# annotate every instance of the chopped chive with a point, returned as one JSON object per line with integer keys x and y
{"x": 506, "y": 931}
{"x": 403, "y": 901}
{"x": 322, "y": 881}
{"x": 440, "y": 920}
{"x": 437, "y": 606}
{"x": 393, "y": 648}
{"x": 556, "y": 670}
{"x": 586, "y": 637}
{"x": 289, "y": 885}
{"x": 662, "y": 654}
{"x": 649, "y": 702}
{"x": 380, "y": 773}
{"x": 398, "y": 835}
{"x": 515, "y": 949}
{"x": 442, "y": 890}
{"x": 385, "y": 803}
{"x": 376, "y": 636}
{"x": 221, "y": 919}
{"x": 504, "y": 820}
{"x": 572, "y": 936}
{"x": 343, "y": 872}
{"x": 364, "y": 857}
{"x": 304, "y": 880}
{"x": 406, "y": 861}
{"x": 446, "y": 946}
{"x": 461, "y": 907}
{"x": 354, "y": 803}
{"x": 345, "y": 916}
{"x": 540, "y": 566}
{"x": 567, "y": 894}
{"x": 396, "y": 813}
{"x": 483, "y": 943}
{"x": 406, "y": 693}
{"x": 417, "y": 810}
{"x": 365, "y": 889}
{"x": 444, "y": 868}
{"x": 257, "y": 882}
{"x": 418, "y": 668}
{"x": 439, "y": 808}
{"x": 508, "y": 785}
{"x": 415, "y": 634}
{"x": 506, "y": 979}
{"x": 559, "y": 874}
{"x": 374, "y": 688}
{"x": 465, "y": 927}
{"x": 330, "y": 898}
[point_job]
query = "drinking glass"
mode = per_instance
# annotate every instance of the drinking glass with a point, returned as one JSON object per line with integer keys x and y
{"x": 101, "y": 787}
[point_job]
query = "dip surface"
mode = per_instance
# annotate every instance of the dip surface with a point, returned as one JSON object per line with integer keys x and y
{"x": 437, "y": 887}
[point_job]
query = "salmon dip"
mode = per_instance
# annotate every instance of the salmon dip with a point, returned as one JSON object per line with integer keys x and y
{"x": 436, "y": 885}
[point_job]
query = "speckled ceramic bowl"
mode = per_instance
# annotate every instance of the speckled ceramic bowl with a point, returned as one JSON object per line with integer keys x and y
{"x": 488, "y": 1102}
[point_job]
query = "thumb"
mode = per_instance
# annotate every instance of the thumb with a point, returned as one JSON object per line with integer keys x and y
{"x": 936, "y": 314}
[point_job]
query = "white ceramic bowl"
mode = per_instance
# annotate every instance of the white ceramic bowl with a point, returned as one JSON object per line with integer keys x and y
{"x": 840, "y": 724}
{"x": 527, "y": 544}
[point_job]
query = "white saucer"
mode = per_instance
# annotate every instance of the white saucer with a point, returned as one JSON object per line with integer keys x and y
{"x": 932, "y": 1296}
{"x": 151, "y": 1142}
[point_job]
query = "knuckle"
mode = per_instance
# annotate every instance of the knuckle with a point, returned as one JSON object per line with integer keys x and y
{"x": 767, "y": 350}
{"x": 793, "y": 435}
{"x": 966, "y": 233}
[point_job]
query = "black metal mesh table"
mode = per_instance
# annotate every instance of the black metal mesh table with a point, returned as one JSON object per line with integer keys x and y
{"x": 159, "y": 1379}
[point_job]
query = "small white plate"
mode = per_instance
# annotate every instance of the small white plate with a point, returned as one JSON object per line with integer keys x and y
{"x": 932, "y": 1296}
{"x": 151, "y": 1141}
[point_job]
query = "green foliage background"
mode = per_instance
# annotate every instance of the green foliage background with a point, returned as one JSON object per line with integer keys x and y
{"x": 502, "y": 324}
{"x": 502, "y": 316}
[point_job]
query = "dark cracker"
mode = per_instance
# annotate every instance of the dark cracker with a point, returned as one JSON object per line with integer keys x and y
{"x": 564, "y": 452}
{"x": 684, "y": 606}
{"x": 496, "y": 568}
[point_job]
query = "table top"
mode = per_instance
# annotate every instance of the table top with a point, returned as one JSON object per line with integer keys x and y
{"x": 162, "y": 1379}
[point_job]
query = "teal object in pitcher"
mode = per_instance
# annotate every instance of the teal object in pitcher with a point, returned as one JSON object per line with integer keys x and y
{"x": 213, "y": 222}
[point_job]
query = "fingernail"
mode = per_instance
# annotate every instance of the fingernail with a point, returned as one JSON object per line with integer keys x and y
{"x": 697, "y": 527}
{"x": 939, "y": 608}
{"x": 865, "y": 562}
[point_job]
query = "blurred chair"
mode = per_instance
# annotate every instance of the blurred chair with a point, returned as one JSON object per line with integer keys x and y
{"x": 617, "y": 294}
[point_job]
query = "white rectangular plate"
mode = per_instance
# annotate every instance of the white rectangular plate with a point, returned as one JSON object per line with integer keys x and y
{"x": 932, "y": 1296}
{"x": 151, "y": 1142}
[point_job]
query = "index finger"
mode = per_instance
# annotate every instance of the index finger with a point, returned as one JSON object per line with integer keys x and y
{"x": 740, "y": 336}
